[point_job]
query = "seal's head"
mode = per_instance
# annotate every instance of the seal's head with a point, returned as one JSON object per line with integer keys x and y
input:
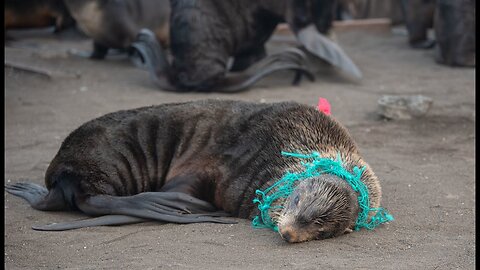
{"x": 320, "y": 207}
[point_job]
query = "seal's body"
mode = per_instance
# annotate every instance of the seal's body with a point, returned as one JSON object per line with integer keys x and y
{"x": 37, "y": 13}
{"x": 114, "y": 24}
{"x": 185, "y": 162}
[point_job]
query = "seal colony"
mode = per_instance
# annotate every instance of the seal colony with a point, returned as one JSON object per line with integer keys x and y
{"x": 201, "y": 162}
{"x": 206, "y": 35}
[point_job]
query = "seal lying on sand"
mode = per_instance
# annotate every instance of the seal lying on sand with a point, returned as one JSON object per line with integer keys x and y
{"x": 200, "y": 161}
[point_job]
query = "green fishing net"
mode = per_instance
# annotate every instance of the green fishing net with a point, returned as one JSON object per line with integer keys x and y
{"x": 315, "y": 165}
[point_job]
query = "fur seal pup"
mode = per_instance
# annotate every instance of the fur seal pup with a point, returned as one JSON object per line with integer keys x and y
{"x": 206, "y": 35}
{"x": 115, "y": 24}
{"x": 200, "y": 161}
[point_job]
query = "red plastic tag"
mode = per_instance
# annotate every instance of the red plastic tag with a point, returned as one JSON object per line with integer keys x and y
{"x": 324, "y": 106}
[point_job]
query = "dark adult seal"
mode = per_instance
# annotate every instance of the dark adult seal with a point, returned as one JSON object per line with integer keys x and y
{"x": 200, "y": 161}
{"x": 206, "y": 35}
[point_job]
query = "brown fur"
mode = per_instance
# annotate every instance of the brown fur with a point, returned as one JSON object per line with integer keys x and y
{"x": 37, "y": 13}
{"x": 115, "y": 24}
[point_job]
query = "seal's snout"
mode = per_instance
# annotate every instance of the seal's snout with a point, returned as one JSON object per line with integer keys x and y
{"x": 289, "y": 234}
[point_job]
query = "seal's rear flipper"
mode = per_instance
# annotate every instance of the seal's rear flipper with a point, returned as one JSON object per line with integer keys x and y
{"x": 39, "y": 197}
{"x": 321, "y": 46}
{"x": 175, "y": 207}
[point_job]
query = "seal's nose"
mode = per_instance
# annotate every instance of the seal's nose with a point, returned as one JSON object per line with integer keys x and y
{"x": 287, "y": 236}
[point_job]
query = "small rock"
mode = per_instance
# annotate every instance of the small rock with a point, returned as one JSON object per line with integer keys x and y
{"x": 403, "y": 107}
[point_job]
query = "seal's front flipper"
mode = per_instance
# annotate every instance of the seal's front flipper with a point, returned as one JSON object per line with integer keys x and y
{"x": 153, "y": 57}
{"x": 172, "y": 207}
{"x": 423, "y": 44}
{"x": 321, "y": 46}
{"x": 99, "y": 52}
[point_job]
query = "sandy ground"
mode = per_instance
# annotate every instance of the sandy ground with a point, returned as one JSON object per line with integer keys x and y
{"x": 426, "y": 165}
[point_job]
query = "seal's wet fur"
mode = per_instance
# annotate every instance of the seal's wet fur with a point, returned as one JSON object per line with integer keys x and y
{"x": 185, "y": 162}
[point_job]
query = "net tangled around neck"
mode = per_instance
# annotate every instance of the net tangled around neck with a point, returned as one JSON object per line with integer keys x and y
{"x": 317, "y": 166}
